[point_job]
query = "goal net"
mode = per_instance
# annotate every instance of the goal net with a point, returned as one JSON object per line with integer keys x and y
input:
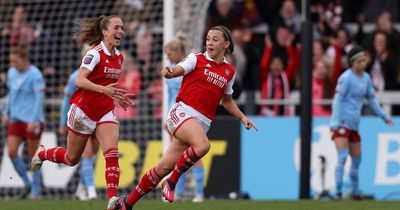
{"x": 45, "y": 27}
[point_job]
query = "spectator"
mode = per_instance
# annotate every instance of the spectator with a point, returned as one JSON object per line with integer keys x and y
{"x": 340, "y": 45}
{"x": 283, "y": 49}
{"x": 373, "y": 8}
{"x": 289, "y": 17}
{"x": 19, "y": 32}
{"x": 383, "y": 69}
{"x": 382, "y": 65}
{"x": 224, "y": 14}
{"x": 275, "y": 86}
{"x": 383, "y": 23}
{"x": 321, "y": 88}
{"x": 16, "y": 33}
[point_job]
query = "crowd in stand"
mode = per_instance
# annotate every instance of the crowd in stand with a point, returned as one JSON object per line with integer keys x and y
{"x": 271, "y": 57}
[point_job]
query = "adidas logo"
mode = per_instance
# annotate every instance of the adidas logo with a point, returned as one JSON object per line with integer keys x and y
{"x": 208, "y": 65}
{"x": 107, "y": 61}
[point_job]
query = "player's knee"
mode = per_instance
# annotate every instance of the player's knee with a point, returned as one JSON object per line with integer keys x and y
{"x": 202, "y": 148}
{"x": 12, "y": 154}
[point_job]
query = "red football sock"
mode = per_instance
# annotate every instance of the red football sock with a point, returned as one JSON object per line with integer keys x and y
{"x": 187, "y": 159}
{"x": 112, "y": 171}
{"x": 148, "y": 182}
{"x": 56, "y": 155}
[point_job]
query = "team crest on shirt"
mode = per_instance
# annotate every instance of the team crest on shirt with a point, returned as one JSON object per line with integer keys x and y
{"x": 227, "y": 72}
{"x": 182, "y": 114}
{"x": 88, "y": 59}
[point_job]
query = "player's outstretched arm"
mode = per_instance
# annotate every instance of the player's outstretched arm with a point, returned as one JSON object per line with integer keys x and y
{"x": 229, "y": 104}
{"x": 171, "y": 72}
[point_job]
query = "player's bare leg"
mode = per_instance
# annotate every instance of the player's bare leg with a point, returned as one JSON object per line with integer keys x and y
{"x": 192, "y": 134}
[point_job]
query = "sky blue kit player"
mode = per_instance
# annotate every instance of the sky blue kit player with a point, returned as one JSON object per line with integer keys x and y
{"x": 24, "y": 115}
{"x": 25, "y": 96}
{"x": 353, "y": 87}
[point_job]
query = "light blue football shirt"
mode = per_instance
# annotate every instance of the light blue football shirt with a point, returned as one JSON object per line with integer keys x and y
{"x": 351, "y": 91}
{"x": 25, "y": 102}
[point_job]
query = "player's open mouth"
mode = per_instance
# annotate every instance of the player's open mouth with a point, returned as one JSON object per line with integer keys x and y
{"x": 118, "y": 38}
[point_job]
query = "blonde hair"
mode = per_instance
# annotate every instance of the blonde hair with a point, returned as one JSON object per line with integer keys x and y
{"x": 179, "y": 42}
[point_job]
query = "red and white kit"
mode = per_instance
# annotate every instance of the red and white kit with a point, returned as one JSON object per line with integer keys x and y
{"x": 94, "y": 108}
{"x": 203, "y": 85}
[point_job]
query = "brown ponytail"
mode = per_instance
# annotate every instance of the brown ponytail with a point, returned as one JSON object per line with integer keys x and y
{"x": 90, "y": 30}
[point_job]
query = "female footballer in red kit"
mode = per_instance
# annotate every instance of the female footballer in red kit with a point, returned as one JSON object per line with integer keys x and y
{"x": 92, "y": 109}
{"x": 207, "y": 81}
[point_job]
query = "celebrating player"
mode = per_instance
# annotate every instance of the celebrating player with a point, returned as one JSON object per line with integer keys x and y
{"x": 93, "y": 103}
{"x": 353, "y": 86}
{"x": 207, "y": 80}
{"x": 24, "y": 115}
{"x": 86, "y": 189}
{"x": 175, "y": 50}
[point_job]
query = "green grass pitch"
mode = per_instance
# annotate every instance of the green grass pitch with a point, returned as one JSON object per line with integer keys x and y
{"x": 207, "y": 205}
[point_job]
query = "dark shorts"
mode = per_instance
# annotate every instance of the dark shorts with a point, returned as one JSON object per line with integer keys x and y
{"x": 20, "y": 129}
{"x": 352, "y": 136}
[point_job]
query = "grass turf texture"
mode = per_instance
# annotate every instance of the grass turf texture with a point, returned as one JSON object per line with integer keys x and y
{"x": 207, "y": 205}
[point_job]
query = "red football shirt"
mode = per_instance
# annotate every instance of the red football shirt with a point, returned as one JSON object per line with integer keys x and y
{"x": 105, "y": 69}
{"x": 205, "y": 82}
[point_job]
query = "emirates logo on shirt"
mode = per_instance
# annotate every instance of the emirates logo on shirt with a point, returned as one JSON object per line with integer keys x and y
{"x": 112, "y": 73}
{"x": 215, "y": 79}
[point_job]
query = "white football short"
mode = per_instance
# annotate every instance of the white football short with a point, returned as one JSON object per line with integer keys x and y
{"x": 79, "y": 123}
{"x": 181, "y": 112}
